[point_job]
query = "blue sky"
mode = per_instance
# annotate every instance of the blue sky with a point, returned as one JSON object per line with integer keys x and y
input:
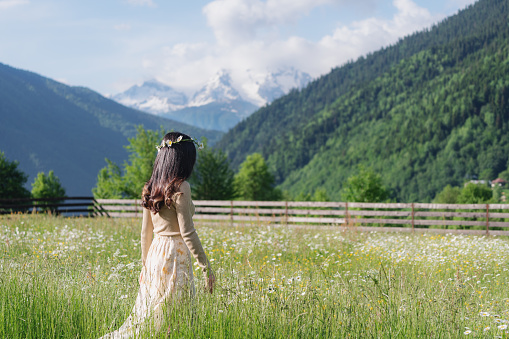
{"x": 110, "y": 45}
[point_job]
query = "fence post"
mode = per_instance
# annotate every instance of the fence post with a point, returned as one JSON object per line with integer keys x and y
{"x": 487, "y": 219}
{"x": 231, "y": 212}
{"x": 97, "y": 207}
{"x": 286, "y": 213}
{"x": 413, "y": 214}
{"x": 346, "y": 214}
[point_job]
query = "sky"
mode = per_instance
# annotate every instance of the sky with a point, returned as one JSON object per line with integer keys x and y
{"x": 110, "y": 45}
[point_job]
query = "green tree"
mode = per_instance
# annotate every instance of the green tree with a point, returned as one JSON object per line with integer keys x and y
{"x": 498, "y": 192}
{"x": 109, "y": 182}
{"x": 128, "y": 183}
{"x": 47, "y": 186}
{"x": 449, "y": 195}
{"x": 475, "y": 194}
{"x": 142, "y": 154}
{"x": 319, "y": 195}
{"x": 12, "y": 180}
{"x": 366, "y": 186}
{"x": 254, "y": 180}
{"x": 505, "y": 173}
{"x": 212, "y": 177}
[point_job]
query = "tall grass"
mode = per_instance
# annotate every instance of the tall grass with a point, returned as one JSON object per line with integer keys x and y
{"x": 78, "y": 278}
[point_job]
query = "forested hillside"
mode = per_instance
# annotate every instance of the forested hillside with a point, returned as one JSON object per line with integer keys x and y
{"x": 46, "y": 125}
{"x": 428, "y": 111}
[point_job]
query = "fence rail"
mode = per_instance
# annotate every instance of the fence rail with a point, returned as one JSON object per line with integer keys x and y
{"x": 464, "y": 218}
{"x": 80, "y": 206}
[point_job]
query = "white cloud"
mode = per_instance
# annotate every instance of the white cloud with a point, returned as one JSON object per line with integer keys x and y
{"x": 148, "y": 3}
{"x": 234, "y": 21}
{"x": 5, "y": 4}
{"x": 247, "y": 53}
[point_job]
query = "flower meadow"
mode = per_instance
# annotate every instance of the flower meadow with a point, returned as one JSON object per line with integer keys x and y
{"x": 78, "y": 278}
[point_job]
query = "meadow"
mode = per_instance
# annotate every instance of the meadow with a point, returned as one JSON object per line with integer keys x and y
{"x": 78, "y": 278}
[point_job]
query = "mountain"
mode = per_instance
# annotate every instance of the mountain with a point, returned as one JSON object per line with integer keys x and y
{"x": 46, "y": 125}
{"x": 425, "y": 112}
{"x": 217, "y": 105}
{"x": 152, "y": 97}
{"x": 279, "y": 83}
{"x": 219, "y": 89}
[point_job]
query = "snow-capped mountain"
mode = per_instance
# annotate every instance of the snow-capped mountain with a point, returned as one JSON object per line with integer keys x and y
{"x": 275, "y": 85}
{"x": 218, "y": 104}
{"x": 217, "y": 89}
{"x": 152, "y": 97}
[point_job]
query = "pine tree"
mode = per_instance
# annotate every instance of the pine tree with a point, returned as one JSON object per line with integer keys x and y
{"x": 212, "y": 177}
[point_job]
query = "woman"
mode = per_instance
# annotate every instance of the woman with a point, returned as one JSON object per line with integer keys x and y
{"x": 167, "y": 272}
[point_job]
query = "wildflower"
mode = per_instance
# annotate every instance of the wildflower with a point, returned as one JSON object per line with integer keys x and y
{"x": 487, "y": 328}
{"x": 123, "y": 296}
{"x": 467, "y": 332}
{"x": 484, "y": 314}
{"x": 502, "y": 327}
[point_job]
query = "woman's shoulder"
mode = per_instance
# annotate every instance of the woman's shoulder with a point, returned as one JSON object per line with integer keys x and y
{"x": 185, "y": 187}
{"x": 183, "y": 192}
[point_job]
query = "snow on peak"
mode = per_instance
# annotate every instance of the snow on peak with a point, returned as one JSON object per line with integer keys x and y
{"x": 276, "y": 84}
{"x": 217, "y": 89}
{"x": 152, "y": 96}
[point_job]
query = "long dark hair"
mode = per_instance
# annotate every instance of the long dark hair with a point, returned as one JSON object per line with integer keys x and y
{"x": 173, "y": 165}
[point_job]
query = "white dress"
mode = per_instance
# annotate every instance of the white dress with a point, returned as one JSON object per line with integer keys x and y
{"x": 167, "y": 276}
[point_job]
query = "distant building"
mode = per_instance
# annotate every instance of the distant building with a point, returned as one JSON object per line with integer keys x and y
{"x": 477, "y": 182}
{"x": 498, "y": 182}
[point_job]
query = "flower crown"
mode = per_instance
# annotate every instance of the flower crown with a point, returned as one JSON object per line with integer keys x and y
{"x": 169, "y": 143}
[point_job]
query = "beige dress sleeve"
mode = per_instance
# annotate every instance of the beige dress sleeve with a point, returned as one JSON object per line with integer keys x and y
{"x": 185, "y": 210}
{"x": 147, "y": 229}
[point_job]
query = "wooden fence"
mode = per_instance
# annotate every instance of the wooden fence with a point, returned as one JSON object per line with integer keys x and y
{"x": 67, "y": 206}
{"x": 465, "y": 218}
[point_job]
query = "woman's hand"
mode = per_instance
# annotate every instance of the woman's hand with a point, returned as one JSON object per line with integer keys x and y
{"x": 211, "y": 281}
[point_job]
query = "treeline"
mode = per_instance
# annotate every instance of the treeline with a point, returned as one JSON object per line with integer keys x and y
{"x": 13, "y": 180}
{"x": 427, "y": 112}
{"x": 212, "y": 177}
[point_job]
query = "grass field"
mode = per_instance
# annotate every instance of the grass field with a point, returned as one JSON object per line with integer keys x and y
{"x": 78, "y": 278}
